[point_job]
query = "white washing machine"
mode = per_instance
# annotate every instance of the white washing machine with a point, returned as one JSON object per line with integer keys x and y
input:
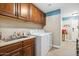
{"x": 43, "y": 43}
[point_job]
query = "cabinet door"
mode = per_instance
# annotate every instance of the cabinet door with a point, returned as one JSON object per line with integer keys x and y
{"x": 39, "y": 17}
{"x": 36, "y": 16}
{"x": 33, "y": 14}
{"x": 23, "y": 11}
{"x": 28, "y": 51}
{"x": 29, "y": 47}
{"x": 43, "y": 19}
{"x": 8, "y": 9}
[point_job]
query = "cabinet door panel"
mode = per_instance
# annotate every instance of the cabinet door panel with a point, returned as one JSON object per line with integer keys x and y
{"x": 28, "y": 47}
{"x": 43, "y": 19}
{"x": 23, "y": 11}
{"x": 39, "y": 17}
{"x": 8, "y": 9}
{"x": 33, "y": 13}
{"x": 28, "y": 51}
{"x": 36, "y": 16}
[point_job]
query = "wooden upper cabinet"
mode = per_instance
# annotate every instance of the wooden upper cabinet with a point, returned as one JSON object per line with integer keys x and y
{"x": 39, "y": 17}
{"x": 43, "y": 19}
{"x": 33, "y": 13}
{"x": 36, "y": 16}
{"x": 23, "y": 11}
{"x": 8, "y": 9}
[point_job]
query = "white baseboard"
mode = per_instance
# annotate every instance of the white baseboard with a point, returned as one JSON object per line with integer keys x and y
{"x": 56, "y": 46}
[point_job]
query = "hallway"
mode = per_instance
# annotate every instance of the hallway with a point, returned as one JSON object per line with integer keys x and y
{"x": 68, "y": 49}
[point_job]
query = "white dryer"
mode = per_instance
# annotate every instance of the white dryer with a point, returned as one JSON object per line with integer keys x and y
{"x": 43, "y": 43}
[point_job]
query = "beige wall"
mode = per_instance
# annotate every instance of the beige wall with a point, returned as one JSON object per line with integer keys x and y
{"x": 53, "y": 24}
{"x": 15, "y": 23}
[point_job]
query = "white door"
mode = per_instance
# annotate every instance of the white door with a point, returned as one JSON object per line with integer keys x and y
{"x": 74, "y": 29}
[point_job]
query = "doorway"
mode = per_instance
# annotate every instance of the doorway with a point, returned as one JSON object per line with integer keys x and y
{"x": 70, "y": 28}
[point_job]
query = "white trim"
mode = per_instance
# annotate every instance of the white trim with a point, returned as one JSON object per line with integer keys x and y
{"x": 56, "y": 46}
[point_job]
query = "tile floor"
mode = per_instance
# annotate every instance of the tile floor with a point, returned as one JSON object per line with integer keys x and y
{"x": 68, "y": 49}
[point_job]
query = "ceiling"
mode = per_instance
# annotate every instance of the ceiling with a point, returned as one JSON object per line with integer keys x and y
{"x": 47, "y": 7}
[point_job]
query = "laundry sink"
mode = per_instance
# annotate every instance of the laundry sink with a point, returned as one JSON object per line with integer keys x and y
{"x": 14, "y": 38}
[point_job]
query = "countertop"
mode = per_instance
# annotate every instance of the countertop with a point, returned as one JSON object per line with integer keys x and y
{"x": 2, "y": 43}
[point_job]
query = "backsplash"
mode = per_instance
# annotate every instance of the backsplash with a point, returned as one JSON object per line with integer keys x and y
{"x": 7, "y": 32}
{"x": 10, "y": 25}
